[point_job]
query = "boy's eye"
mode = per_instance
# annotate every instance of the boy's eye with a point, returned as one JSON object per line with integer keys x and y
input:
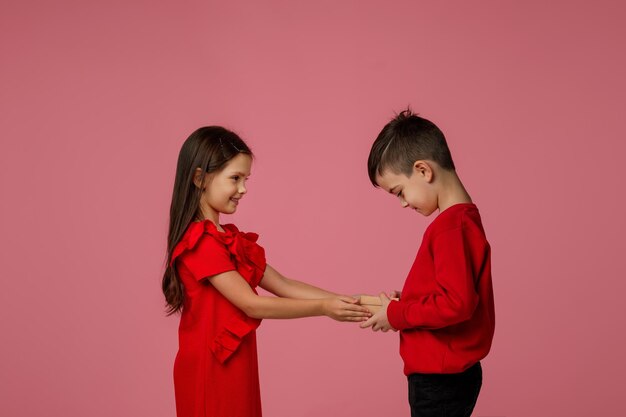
{"x": 235, "y": 177}
{"x": 399, "y": 193}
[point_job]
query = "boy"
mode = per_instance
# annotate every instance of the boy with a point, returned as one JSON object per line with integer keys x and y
{"x": 445, "y": 312}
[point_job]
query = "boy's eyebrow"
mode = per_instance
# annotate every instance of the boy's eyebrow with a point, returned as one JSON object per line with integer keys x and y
{"x": 391, "y": 189}
{"x": 241, "y": 174}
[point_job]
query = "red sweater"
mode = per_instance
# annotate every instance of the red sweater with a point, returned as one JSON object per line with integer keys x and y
{"x": 446, "y": 312}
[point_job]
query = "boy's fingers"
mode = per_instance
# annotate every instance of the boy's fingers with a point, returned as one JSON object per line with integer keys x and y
{"x": 367, "y": 323}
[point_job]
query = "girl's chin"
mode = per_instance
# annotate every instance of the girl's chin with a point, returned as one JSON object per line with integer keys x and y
{"x": 229, "y": 208}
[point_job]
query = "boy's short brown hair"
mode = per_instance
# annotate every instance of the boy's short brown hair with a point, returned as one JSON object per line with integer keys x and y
{"x": 405, "y": 139}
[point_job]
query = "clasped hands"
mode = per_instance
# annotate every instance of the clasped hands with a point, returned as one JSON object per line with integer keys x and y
{"x": 346, "y": 308}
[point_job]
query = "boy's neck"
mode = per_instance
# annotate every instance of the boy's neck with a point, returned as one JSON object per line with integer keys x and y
{"x": 451, "y": 191}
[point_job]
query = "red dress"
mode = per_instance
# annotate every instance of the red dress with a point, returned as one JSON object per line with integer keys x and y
{"x": 216, "y": 370}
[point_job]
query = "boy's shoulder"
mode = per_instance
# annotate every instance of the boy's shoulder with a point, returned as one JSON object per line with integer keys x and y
{"x": 463, "y": 216}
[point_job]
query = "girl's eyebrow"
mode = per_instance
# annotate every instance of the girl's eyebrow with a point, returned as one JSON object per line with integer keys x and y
{"x": 241, "y": 174}
{"x": 391, "y": 189}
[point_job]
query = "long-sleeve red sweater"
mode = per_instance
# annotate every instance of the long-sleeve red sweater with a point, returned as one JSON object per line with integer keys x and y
{"x": 446, "y": 312}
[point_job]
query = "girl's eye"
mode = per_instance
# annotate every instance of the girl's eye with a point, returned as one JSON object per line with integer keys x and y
{"x": 399, "y": 193}
{"x": 235, "y": 177}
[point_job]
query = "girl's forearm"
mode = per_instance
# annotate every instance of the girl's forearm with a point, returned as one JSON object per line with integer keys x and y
{"x": 299, "y": 289}
{"x": 285, "y": 308}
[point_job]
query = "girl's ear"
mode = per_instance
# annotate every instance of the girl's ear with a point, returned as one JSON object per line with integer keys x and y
{"x": 424, "y": 170}
{"x": 198, "y": 175}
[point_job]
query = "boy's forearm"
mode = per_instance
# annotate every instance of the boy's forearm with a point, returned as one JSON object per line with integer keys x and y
{"x": 433, "y": 311}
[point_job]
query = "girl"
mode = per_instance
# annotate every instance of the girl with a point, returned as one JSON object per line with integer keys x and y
{"x": 211, "y": 275}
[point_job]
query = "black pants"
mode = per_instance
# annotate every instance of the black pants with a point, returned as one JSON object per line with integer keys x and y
{"x": 445, "y": 395}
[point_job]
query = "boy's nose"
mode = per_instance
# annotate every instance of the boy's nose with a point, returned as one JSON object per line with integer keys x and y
{"x": 242, "y": 189}
{"x": 404, "y": 203}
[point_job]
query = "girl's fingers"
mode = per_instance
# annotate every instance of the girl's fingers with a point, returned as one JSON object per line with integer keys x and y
{"x": 355, "y": 307}
{"x": 353, "y": 313}
{"x": 359, "y": 313}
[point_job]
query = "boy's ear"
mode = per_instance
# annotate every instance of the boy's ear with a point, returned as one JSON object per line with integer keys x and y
{"x": 424, "y": 169}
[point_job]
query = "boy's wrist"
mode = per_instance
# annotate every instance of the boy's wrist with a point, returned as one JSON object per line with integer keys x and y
{"x": 394, "y": 315}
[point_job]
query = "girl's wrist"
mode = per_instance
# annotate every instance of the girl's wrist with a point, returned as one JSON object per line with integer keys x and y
{"x": 324, "y": 306}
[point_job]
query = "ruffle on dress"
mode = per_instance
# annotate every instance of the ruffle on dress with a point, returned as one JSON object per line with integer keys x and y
{"x": 249, "y": 259}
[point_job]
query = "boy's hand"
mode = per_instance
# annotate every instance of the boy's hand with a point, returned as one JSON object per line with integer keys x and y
{"x": 395, "y": 294}
{"x": 379, "y": 321}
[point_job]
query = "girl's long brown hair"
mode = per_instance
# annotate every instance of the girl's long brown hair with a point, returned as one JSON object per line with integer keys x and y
{"x": 208, "y": 148}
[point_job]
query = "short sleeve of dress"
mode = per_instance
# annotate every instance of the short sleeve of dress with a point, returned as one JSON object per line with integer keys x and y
{"x": 209, "y": 257}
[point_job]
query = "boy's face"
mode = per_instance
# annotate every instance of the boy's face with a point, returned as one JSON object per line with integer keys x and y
{"x": 416, "y": 191}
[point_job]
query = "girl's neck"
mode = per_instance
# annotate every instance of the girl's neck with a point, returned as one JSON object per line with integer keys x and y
{"x": 213, "y": 216}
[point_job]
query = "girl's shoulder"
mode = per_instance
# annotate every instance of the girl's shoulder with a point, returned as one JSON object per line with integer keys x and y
{"x": 203, "y": 237}
{"x": 199, "y": 235}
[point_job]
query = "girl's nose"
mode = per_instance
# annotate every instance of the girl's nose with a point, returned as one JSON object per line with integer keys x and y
{"x": 404, "y": 203}
{"x": 242, "y": 189}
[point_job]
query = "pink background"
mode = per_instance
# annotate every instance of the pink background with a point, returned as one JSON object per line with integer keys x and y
{"x": 97, "y": 97}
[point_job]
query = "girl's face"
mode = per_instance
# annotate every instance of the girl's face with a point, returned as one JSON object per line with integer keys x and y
{"x": 224, "y": 189}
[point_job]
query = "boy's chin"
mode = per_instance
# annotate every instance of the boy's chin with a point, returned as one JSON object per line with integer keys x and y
{"x": 423, "y": 212}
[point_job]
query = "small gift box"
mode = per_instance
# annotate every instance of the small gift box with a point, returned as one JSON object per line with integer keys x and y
{"x": 372, "y": 303}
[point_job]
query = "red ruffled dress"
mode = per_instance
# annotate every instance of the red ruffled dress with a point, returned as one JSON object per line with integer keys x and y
{"x": 216, "y": 369}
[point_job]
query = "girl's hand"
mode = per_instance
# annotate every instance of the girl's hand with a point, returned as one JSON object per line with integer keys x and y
{"x": 357, "y": 297}
{"x": 344, "y": 308}
{"x": 395, "y": 294}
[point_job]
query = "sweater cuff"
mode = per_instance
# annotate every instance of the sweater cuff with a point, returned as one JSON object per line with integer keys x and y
{"x": 395, "y": 315}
